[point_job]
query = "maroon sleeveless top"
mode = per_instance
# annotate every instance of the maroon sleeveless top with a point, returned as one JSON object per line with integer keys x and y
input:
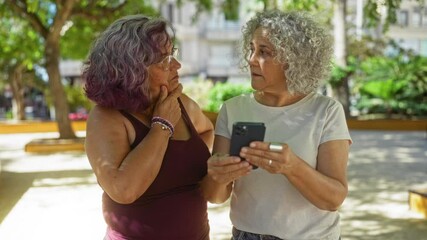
{"x": 173, "y": 206}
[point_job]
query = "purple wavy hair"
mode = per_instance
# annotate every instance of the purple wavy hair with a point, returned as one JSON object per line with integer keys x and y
{"x": 115, "y": 72}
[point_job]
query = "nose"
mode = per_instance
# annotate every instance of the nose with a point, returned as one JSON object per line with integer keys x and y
{"x": 175, "y": 63}
{"x": 253, "y": 60}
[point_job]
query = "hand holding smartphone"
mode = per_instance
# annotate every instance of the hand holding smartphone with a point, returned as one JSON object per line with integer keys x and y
{"x": 243, "y": 133}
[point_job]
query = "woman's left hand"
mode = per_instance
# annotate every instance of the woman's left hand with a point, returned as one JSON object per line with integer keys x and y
{"x": 273, "y": 160}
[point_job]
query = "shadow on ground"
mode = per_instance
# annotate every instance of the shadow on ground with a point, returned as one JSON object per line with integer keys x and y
{"x": 15, "y": 184}
{"x": 376, "y": 226}
{"x": 382, "y": 168}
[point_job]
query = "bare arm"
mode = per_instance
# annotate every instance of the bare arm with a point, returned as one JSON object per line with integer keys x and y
{"x": 125, "y": 174}
{"x": 325, "y": 187}
{"x": 222, "y": 171}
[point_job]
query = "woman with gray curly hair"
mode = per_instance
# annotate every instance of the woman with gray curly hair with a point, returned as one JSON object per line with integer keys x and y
{"x": 146, "y": 141}
{"x": 294, "y": 181}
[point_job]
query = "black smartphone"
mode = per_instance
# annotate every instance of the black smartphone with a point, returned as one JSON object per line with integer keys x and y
{"x": 244, "y": 133}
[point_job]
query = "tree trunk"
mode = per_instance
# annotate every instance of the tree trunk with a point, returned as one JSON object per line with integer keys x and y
{"x": 270, "y": 4}
{"x": 56, "y": 88}
{"x": 15, "y": 79}
{"x": 342, "y": 92}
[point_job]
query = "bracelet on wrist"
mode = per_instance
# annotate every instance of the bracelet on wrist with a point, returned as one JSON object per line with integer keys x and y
{"x": 163, "y": 121}
{"x": 163, "y": 127}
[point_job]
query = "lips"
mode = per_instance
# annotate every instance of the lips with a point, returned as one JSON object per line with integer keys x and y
{"x": 174, "y": 81}
{"x": 256, "y": 74}
{"x": 175, "y": 77}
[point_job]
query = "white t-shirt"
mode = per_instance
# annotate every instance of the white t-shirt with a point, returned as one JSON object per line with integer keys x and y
{"x": 266, "y": 203}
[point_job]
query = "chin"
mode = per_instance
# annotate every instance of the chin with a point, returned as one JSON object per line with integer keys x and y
{"x": 255, "y": 86}
{"x": 172, "y": 85}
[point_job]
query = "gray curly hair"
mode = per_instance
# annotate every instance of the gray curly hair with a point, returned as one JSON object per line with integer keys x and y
{"x": 300, "y": 43}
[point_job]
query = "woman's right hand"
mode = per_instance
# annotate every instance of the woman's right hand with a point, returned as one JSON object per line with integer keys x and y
{"x": 167, "y": 106}
{"x": 224, "y": 169}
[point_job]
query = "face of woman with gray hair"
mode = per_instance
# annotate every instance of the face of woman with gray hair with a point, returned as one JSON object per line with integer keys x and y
{"x": 267, "y": 74}
{"x": 299, "y": 46}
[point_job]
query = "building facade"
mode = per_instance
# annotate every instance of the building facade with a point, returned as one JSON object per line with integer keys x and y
{"x": 209, "y": 46}
{"x": 411, "y": 28}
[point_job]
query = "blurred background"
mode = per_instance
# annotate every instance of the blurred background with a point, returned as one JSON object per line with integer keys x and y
{"x": 379, "y": 66}
{"x": 379, "y": 75}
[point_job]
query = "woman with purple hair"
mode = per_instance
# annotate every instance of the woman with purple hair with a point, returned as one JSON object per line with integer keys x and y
{"x": 147, "y": 142}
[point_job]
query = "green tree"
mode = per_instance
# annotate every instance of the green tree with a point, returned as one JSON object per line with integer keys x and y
{"x": 372, "y": 19}
{"x": 50, "y": 20}
{"x": 343, "y": 72}
{"x": 21, "y": 51}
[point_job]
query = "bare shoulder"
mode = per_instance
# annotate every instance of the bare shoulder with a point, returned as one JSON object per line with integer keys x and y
{"x": 190, "y": 105}
{"x": 103, "y": 121}
{"x": 101, "y": 115}
{"x": 107, "y": 131}
{"x": 99, "y": 111}
{"x": 200, "y": 120}
{"x": 187, "y": 101}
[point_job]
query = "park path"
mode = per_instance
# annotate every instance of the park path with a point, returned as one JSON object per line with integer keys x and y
{"x": 55, "y": 196}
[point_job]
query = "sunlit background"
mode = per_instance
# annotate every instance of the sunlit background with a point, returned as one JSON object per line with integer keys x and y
{"x": 379, "y": 74}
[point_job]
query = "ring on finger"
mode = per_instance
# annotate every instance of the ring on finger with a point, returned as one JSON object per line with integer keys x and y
{"x": 269, "y": 162}
{"x": 275, "y": 147}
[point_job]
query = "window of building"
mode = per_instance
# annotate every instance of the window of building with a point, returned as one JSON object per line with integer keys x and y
{"x": 423, "y": 50}
{"x": 416, "y": 17}
{"x": 179, "y": 17}
{"x": 170, "y": 12}
{"x": 424, "y": 18}
{"x": 402, "y": 18}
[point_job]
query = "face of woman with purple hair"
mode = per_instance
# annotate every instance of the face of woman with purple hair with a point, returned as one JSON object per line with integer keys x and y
{"x": 130, "y": 62}
{"x": 164, "y": 72}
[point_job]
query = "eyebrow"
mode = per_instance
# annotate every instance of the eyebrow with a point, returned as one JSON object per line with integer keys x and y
{"x": 172, "y": 49}
{"x": 168, "y": 53}
{"x": 262, "y": 46}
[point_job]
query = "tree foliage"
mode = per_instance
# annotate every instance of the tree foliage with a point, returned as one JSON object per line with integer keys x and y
{"x": 383, "y": 12}
{"x": 50, "y": 20}
{"x": 85, "y": 25}
{"x": 393, "y": 84}
{"x": 32, "y": 29}
{"x": 21, "y": 51}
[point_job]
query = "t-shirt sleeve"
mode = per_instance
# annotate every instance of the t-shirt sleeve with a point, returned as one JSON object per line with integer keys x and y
{"x": 221, "y": 126}
{"x": 335, "y": 127}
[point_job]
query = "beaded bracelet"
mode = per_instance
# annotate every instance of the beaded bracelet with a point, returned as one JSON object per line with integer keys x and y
{"x": 164, "y": 123}
{"x": 164, "y": 127}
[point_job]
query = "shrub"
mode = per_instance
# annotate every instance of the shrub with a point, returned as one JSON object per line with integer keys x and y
{"x": 222, "y": 92}
{"x": 197, "y": 90}
{"x": 393, "y": 85}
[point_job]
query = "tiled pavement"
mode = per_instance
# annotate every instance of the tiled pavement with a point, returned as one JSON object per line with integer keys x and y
{"x": 56, "y": 197}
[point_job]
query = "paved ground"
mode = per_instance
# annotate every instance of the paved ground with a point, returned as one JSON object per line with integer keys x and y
{"x": 55, "y": 196}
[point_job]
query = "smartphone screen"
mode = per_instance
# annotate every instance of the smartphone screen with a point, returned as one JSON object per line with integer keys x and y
{"x": 243, "y": 133}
